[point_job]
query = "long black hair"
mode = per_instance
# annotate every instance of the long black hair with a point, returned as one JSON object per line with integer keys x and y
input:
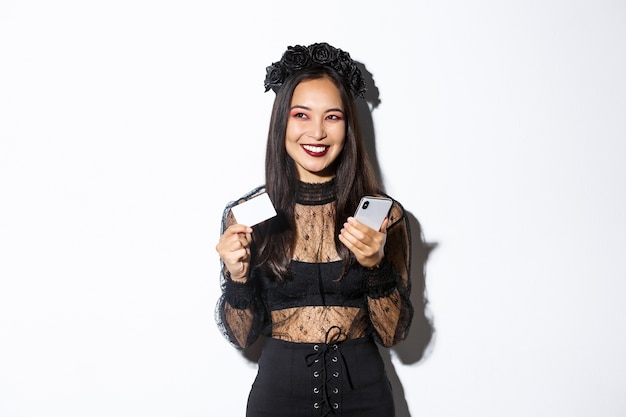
{"x": 354, "y": 176}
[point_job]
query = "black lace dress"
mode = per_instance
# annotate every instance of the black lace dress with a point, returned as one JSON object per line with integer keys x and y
{"x": 320, "y": 356}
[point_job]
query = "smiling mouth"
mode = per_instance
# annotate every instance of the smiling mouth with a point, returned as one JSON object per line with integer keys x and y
{"x": 315, "y": 150}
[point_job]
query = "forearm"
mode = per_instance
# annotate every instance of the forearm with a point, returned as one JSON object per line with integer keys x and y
{"x": 390, "y": 309}
{"x": 239, "y": 313}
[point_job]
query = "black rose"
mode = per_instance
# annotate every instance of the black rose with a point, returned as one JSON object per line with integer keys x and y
{"x": 357, "y": 83}
{"x": 323, "y": 53}
{"x": 274, "y": 77}
{"x": 298, "y": 57}
{"x": 295, "y": 58}
{"x": 343, "y": 63}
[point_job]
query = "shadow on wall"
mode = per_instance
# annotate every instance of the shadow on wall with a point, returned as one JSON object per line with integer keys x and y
{"x": 418, "y": 345}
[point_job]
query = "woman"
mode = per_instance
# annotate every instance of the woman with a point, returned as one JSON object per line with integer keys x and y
{"x": 321, "y": 286}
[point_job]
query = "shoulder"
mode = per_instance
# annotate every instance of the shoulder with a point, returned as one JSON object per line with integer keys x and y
{"x": 247, "y": 196}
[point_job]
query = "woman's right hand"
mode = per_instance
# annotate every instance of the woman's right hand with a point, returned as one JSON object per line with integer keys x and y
{"x": 234, "y": 249}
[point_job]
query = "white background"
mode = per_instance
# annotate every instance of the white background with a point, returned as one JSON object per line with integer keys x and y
{"x": 126, "y": 126}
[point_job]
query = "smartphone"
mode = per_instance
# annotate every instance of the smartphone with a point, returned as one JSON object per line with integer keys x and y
{"x": 373, "y": 210}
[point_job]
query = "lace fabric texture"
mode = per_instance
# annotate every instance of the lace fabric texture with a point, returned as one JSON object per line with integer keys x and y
{"x": 318, "y": 302}
{"x": 315, "y": 229}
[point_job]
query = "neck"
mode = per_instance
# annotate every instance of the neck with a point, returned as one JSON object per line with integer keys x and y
{"x": 316, "y": 193}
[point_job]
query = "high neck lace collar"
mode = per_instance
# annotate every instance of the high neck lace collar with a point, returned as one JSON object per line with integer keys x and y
{"x": 311, "y": 194}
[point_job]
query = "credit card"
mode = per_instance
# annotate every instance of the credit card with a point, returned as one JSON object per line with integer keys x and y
{"x": 254, "y": 211}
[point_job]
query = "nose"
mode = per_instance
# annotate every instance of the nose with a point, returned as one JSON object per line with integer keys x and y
{"x": 318, "y": 131}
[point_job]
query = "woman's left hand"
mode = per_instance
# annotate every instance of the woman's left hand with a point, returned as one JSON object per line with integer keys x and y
{"x": 367, "y": 244}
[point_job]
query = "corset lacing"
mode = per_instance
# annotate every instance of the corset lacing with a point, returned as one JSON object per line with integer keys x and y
{"x": 323, "y": 353}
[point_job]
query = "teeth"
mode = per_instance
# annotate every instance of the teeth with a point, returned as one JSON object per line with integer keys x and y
{"x": 312, "y": 148}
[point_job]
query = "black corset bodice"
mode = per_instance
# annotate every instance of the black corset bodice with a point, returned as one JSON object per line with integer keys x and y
{"x": 315, "y": 284}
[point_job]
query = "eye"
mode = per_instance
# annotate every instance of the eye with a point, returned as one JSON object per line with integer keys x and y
{"x": 298, "y": 115}
{"x": 335, "y": 117}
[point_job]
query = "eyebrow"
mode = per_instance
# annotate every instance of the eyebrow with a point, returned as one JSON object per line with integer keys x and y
{"x": 309, "y": 109}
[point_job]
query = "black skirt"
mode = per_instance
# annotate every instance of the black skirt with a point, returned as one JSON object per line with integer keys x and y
{"x": 344, "y": 379}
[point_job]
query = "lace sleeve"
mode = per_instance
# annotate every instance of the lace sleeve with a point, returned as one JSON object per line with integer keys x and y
{"x": 239, "y": 312}
{"x": 388, "y": 286}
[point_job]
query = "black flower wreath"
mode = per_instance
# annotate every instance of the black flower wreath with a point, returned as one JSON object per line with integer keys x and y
{"x": 297, "y": 58}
